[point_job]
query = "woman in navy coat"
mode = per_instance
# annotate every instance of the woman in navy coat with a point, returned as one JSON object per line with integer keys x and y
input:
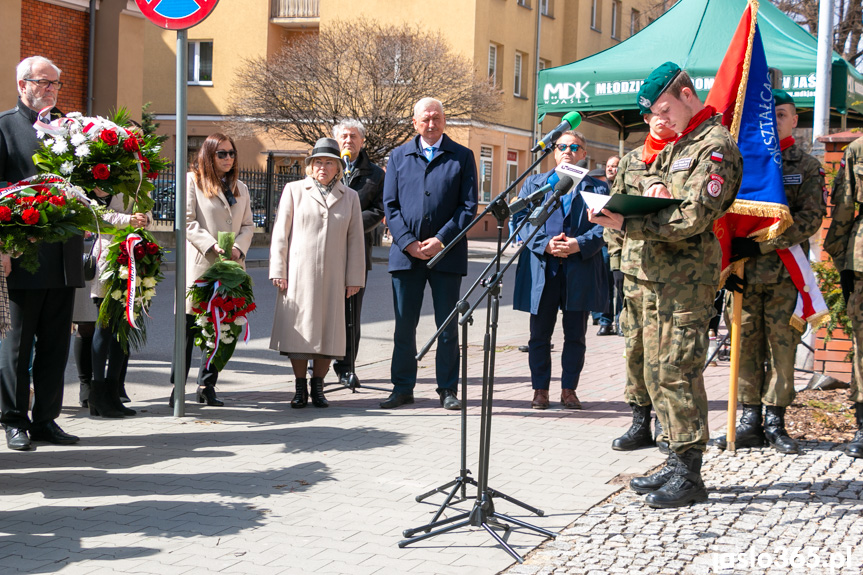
{"x": 561, "y": 269}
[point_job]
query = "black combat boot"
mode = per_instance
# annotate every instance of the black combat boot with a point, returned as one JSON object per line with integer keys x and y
{"x": 854, "y": 448}
{"x": 749, "y": 432}
{"x": 301, "y": 397}
{"x": 662, "y": 444}
{"x": 317, "y": 393}
{"x": 684, "y": 486}
{"x": 651, "y": 483}
{"x": 638, "y": 434}
{"x": 774, "y": 430}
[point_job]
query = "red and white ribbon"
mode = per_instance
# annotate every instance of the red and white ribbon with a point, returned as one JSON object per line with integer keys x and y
{"x": 131, "y": 241}
{"x": 811, "y": 306}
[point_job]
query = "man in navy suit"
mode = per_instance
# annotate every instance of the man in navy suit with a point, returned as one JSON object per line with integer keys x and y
{"x": 561, "y": 269}
{"x": 429, "y": 197}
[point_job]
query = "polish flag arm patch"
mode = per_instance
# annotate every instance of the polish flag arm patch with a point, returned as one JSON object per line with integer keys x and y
{"x": 716, "y": 156}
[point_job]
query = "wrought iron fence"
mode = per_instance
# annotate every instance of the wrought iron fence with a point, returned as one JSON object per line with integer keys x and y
{"x": 294, "y": 9}
{"x": 264, "y": 189}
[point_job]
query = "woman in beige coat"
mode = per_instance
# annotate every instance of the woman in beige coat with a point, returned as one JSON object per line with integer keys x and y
{"x": 317, "y": 260}
{"x": 216, "y": 201}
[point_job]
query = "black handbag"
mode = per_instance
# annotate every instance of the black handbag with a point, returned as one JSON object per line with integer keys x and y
{"x": 90, "y": 262}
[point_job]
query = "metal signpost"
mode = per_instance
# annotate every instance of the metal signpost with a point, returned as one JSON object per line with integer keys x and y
{"x": 179, "y": 15}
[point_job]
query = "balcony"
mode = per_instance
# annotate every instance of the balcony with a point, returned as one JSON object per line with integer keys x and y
{"x": 295, "y": 13}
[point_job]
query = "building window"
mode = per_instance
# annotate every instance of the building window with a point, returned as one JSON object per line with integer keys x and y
{"x": 543, "y": 64}
{"x": 545, "y": 8}
{"x": 616, "y": 9}
{"x": 525, "y": 3}
{"x": 595, "y": 14}
{"x": 493, "y": 64}
{"x": 634, "y": 20}
{"x": 512, "y": 170}
{"x": 485, "y": 170}
{"x": 517, "y": 77}
{"x": 193, "y": 144}
{"x": 201, "y": 63}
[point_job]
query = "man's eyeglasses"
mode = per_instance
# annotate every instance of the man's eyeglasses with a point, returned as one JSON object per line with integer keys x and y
{"x": 563, "y": 147}
{"x": 222, "y": 154}
{"x": 45, "y": 83}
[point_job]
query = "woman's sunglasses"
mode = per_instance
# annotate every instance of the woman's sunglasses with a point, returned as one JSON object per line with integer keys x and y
{"x": 563, "y": 147}
{"x": 222, "y": 154}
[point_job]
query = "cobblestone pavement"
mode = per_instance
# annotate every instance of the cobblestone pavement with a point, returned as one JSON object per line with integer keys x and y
{"x": 767, "y": 513}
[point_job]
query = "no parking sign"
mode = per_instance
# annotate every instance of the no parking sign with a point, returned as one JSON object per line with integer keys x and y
{"x": 176, "y": 14}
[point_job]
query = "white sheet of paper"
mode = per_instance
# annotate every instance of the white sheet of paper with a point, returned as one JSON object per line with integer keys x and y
{"x": 595, "y": 201}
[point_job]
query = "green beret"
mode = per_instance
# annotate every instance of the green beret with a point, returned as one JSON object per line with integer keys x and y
{"x": 782, "y": 97}
{"x": 655, "y": 84}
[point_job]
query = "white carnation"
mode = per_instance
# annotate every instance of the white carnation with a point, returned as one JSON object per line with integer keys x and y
{"x": 240, "y": 321}
{"x": 124, "y": 273}
{"x": 202, "y": 321}
{"x": 149, "y": 282}
{"x": 78, "y": 139}
{"x": 67, "y": 168}
{"x": 82, "y": 151}
{"x": 40, "y": 134}
{"x": 74, "y": 115}
{"x": 137, "y": 281}
{"x": 60, "y": 146}
{"x": 117, "y": 295}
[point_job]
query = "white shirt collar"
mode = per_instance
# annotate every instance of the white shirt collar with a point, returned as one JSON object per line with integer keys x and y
{"x": 436, "y": 145}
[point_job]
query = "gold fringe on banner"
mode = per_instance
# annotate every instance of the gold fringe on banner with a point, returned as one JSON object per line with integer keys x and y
{"x": 764, "y": 210}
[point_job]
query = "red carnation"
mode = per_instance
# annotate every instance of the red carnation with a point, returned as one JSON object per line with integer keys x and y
{"x": 123, "y": 259}
{"x": 58, "y": 200}
{"x": 139, "y": 252}
{"x": 30, "y": 216}
{"x": 250, "y": 308}
{"x": 5, "y": 214}
{"x": 40, "y": 199}
{"x": 152, "y": 249}
{"x": 152, "y": 175}
{"x": 131, "y": 144}
{"x": 109, "y": 137}
{"x": 101, "y": 171}
{"x": 123, "y": 248}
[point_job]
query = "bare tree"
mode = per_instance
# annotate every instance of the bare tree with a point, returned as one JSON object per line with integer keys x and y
{"x": 359, "y": 69}
{"x": 847, "y": 23}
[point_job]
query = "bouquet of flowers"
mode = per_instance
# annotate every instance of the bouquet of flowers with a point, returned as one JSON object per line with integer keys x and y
{"x": 109, "y": 154}
{"x": 221, "y": 299}
{"x": 134, "y": 268}
{"x": 43, "y": 208}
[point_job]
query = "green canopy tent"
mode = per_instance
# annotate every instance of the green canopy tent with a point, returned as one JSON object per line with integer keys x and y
{"x": 694, "y": 34}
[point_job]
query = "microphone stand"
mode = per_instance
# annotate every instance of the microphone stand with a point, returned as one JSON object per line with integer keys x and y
{"x": 483, "y": 513}
{"x": 500, "y": 209}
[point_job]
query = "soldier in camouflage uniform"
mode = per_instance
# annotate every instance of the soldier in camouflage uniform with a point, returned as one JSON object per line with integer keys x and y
{"x": 769, "y": 297}
{"x": 671, "y": 296}
{"x": 844, "y": 243}
{"x": 625, "y": 256}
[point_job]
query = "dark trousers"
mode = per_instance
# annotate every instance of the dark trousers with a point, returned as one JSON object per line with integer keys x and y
{"x": 41, "y": 322}
{"x": 109, "y": 361}
{"x": 542, "y": 328}
{"x": 206, "y": 376}
{"x": 354, "y": 305}
{"x": 607, "y": 316}
{"x": 408, "y": 287}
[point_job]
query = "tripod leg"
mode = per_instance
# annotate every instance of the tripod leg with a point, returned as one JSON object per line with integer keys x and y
{"x": 441, "y": 489}
{"x": 434, "y": 524}
{"x": 460, "y": 524}
{"x": 521, "y": 504}
{"x": 524, "y": 524}
{"x": 503, "y": 543}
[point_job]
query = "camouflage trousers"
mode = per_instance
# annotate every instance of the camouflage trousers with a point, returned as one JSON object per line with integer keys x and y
{"x": 665, "y": 327}
{"x": 855, "y": 314}
{"x": 766, "y": 337}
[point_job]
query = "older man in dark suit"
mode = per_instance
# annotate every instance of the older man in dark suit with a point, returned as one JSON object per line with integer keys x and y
{"x": 367, "y": 178}
{"x": 40, "y": 303}
{"x": 429, "y": 197}
{"x": 561, "y": 269}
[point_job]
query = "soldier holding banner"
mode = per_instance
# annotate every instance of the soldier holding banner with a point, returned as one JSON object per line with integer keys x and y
{"x": 671, "y": 299}
{"x": 769, "y": 297}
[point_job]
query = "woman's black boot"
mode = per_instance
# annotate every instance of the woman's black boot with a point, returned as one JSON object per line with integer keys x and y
{"x": 318, "y": 399}
{"x": 100, "y": 402}
{"x": 301, "y": 397}
{"x": 207, "y": 393}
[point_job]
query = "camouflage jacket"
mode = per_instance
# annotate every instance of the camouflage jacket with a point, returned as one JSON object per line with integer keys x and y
{"x": 804, "y": 191}
{"x": 844, "y": 241}
{"x": 630, "y": 171}
{"x": 703, "y": 168}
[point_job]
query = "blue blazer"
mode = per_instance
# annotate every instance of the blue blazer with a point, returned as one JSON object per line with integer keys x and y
{"x": 425, "y": 199}
{"x": 586, "y": 274}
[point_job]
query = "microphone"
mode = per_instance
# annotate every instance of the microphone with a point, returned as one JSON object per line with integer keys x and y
{"x": 521, "y": 203}
{"x": 346, "y": 157}
{"x": 570, "y": 122}
{"x": 541, "y": 213}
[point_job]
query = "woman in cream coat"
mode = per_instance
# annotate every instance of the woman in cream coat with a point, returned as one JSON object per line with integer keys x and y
{"x": 216, "y": 201}
{"x": 317, "y": 260}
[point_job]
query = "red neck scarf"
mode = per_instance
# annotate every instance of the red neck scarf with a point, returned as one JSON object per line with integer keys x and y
{"x": 652, "y": 147}
{"x": 705, "y": 113}
{"x": 786, "y": 143}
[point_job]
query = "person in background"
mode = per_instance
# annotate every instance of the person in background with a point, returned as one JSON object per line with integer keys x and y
{"x": 317, "y": 260}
